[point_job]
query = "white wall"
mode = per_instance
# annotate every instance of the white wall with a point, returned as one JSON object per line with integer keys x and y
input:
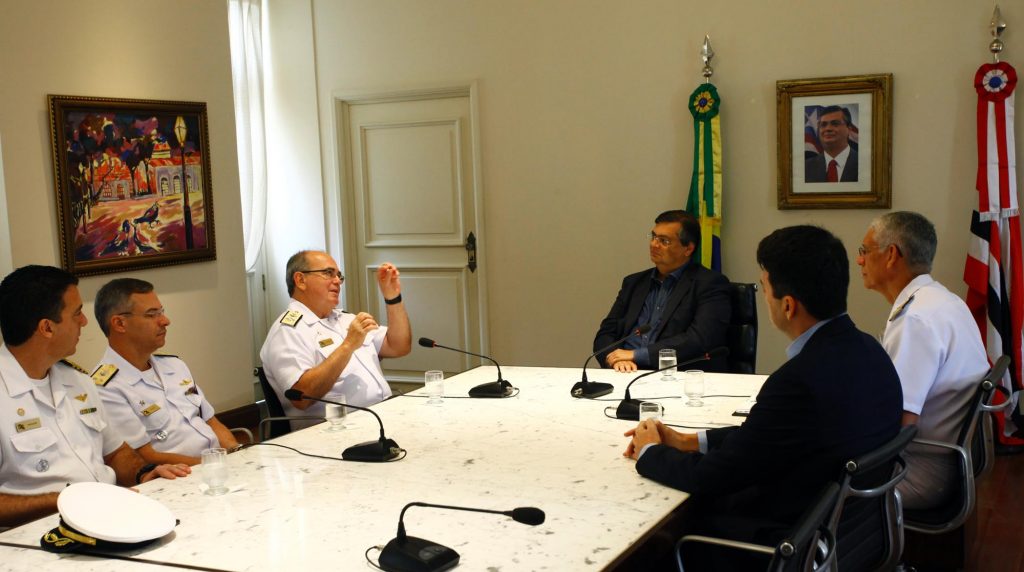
{"x": 149, "y": 50}
{"x": 586, "y": 135}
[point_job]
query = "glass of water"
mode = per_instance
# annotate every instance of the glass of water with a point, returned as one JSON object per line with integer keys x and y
{"x": 335, "y": 415}
{"x": 651, "y": 410}
{"x": 693, "y": 387}
{"x": 667, "y": 358}
{"x": 433, "y": 382}
{"x": 215, "y": 470}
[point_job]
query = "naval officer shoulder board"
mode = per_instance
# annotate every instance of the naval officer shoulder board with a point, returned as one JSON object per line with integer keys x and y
{"x": 103, "y": 374}
{"x": 291, "y": 318}
{"x": 74, "y": 366}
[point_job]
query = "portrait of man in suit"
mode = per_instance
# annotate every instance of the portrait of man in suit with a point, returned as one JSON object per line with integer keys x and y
{"x": 836, "y": 162}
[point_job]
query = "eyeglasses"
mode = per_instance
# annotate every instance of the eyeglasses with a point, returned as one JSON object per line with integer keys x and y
{"x": 149, "y": 315}
{"x": 864, "y": 250}
{"x": 662, "y": 240}
{"x": 832, "y": 123}
{"x": 326, "y": 273}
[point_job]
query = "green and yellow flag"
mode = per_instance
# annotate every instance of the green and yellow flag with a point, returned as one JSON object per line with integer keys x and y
{"x": 705, "y": 199}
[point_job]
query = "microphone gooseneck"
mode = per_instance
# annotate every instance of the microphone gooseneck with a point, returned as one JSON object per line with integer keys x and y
{"x": 494, "y": 389}
{"x": 590, "y": 390}
{"x": 378, "y": 451}
{"x": 406, "y": 553}
{"x": 629, "y": 408}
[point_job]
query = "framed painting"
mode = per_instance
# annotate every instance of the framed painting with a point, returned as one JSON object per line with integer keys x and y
{"x": 835, "y": 142}
{"x": 133, "y": 185}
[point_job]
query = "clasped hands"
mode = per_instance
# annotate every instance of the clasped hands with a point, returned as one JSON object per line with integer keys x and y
{"x": 621, "y": 361}
{"x": 650, "y": 431}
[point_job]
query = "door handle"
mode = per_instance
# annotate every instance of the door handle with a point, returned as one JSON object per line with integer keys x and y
{"x": 471, "y": 252}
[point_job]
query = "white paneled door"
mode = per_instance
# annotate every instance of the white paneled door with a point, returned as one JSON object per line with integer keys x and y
{"x": 412, "y": 199}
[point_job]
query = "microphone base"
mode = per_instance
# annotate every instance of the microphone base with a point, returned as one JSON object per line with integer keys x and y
{"x": 591, "y": 389}
{"x": 413, "y": 554}
{"x": 372, "y": 451}
{"x": 494, "y": 389}
{"x": 628, "y": 409}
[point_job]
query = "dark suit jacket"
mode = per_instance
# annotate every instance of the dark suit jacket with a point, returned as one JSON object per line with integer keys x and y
{"x": 695, "y": 318}
{"x": 815, "y": 170}
{"x": 838, "y": 398}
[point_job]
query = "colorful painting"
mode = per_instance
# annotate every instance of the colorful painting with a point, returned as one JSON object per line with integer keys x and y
{"x": 133, "y": 183}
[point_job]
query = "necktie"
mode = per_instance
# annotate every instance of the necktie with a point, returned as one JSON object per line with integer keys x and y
{"x": 833, "y": 171}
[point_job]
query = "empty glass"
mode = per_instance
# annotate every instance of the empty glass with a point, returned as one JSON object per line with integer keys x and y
{"x": 693, "y": 387}
{"x": 433, "y": 382}
{"x": 667, "y": 358}
{"x": 335, "y": 415}
{"x": 215, "y": 470}
{"x": 651, "y": 410}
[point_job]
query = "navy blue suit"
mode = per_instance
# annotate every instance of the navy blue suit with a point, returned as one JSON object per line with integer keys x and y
{"x": 815, "y": 170}
{"x": 695, "y": 318}
{"x": 838, "y": 398}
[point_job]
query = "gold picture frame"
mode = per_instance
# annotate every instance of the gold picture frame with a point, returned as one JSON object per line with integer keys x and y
{"x": 133, "y": 183}
{"x": 815, "y": 117}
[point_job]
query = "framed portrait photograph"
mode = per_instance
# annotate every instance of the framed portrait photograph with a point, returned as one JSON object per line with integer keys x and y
{"x": 835, "y": 142}
{"x": 132, "y": 179}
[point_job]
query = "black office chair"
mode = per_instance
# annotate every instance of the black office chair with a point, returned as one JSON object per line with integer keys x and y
{"x": 866, "y": 519}
{"x": 741, "y": 337}
{"x": 811, "y": 545}
{"x": 973, "y": 451}
{"x": 277, "y": 421}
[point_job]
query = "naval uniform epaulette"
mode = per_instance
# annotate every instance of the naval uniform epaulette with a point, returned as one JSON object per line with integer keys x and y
{"x": 103, "y": 374}
{"x": 899, "y": 311}
{"x": 75, "y": 366}
{"x": 291, "y": 318}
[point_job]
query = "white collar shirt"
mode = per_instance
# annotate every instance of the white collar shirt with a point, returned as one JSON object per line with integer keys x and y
{"x": 50, "y": 439}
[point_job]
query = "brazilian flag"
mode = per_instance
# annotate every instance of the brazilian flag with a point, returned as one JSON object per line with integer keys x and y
{"x": 705, "y": 199}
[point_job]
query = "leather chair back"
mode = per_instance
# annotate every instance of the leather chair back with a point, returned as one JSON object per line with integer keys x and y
{"x": 277, "y": 427}
{"x": 741, "y": 336}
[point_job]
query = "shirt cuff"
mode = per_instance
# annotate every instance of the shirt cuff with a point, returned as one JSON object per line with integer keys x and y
{"x": 644, "y": 450}
{"x": 641, "y": 358}
{"x": 702, "y": 441}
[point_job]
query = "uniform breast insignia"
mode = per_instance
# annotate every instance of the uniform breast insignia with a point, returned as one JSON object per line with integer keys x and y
{"x": 103, "y": 374}
{"x": 75, "y": 366}
{"x": 151, "y": 410}
{"x": 185, "y": 382}
{"x": 82, "y": 397}
{"x": 27, "y": 425}
{"x": 291, "y": 317}
{"x": 87, "y": 411}
{"x": 326, "y": 342}
{"x": 898, "y": 311}
{"x": 21, "y": 411}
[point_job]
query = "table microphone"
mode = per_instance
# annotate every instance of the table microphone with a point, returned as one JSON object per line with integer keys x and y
{"x": 500, "y": 388}
{"x": 630, "y": 408}
{"x": 378, "y": 451}
{"x": 410, "y": 554}
{"x": 588, "y": 389}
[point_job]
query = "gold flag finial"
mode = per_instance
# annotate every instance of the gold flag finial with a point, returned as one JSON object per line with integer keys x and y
{"x": 998, "y": 26}
{"x": 706, "y": 53}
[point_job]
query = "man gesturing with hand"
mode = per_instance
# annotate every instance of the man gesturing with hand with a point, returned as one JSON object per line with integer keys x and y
{"x": 326, "y": 352}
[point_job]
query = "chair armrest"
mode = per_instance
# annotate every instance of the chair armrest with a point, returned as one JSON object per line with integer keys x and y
{"x": 243, "y": 431}
{"x": 265, "y": 420}
{"x": 760, "y": 549}
{"x": 883, "y": 488}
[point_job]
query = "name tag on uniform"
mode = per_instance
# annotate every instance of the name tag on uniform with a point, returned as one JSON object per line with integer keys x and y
{"x": 326, "y": 342}
{"x": 87, "y": 411}
{"x": 28, "y": 425}
{"x": 151, "y": 410}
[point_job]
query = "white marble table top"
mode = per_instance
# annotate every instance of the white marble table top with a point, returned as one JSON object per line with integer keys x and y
{"x": 541, "y": 448}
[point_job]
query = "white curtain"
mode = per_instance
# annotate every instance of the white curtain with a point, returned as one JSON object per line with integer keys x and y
{"x": 245, "y": 27}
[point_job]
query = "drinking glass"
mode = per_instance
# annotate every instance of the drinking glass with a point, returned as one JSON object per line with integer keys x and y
{"x": 667, "y": 358}
{"x": 433, "y": 382}
{"x": 335, "y": 415}
{"x": 693, "y": 387}
{"x": 651, "y": 410}
{"x": 215, "y": 470}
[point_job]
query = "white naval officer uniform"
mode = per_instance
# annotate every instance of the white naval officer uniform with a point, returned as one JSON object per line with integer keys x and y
{"x": 53, "y": 431}
{"x": 163, "y": 406}
{"x": 299, "y": 341}
{"x": 935, "y": 345}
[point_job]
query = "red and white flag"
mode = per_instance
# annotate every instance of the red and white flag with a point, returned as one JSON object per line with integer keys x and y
{"x": 995, "y": 283}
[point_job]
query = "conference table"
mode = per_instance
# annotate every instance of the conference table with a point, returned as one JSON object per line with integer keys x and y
{"x": 542, "y": 448}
